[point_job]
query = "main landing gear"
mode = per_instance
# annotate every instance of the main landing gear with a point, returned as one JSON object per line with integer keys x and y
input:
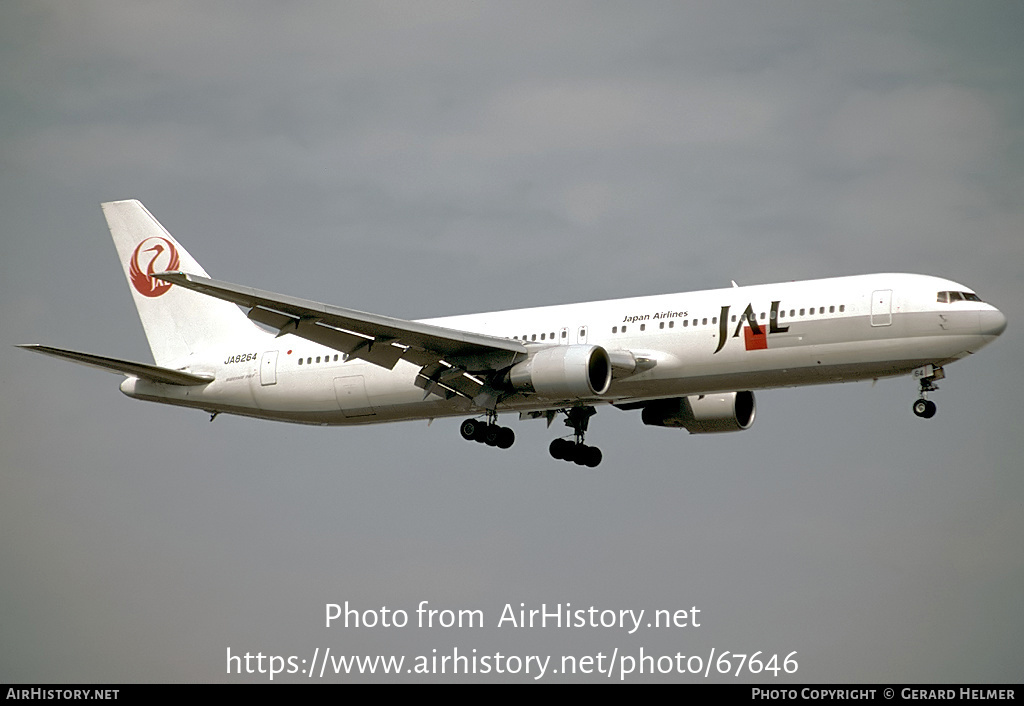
{"x": 577, "y": 452}
{"x": 487, "y": 432}
{"x": 924, "y": 407}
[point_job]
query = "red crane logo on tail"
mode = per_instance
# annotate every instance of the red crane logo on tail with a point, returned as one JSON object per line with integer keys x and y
{"x": 163, "y": 258}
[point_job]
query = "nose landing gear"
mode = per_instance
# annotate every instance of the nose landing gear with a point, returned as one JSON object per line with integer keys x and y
{"x": 927, "y": 375}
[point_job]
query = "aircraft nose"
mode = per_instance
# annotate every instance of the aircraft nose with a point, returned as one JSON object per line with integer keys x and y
{"x": 992, "y": 323}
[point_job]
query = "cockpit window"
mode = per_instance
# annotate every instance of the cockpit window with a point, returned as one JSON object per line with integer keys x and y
{"x": 950, "y": 297}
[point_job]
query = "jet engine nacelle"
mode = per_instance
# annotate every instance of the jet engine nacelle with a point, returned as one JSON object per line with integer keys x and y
{"x": 564, "y": 372}
{"x": 703, "y": 414}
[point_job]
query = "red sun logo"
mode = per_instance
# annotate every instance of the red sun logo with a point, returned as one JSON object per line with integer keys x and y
{"x": 162, "y": 256}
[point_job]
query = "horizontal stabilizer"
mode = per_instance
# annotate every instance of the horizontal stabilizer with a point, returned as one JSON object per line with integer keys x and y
{"x": 144, "y": 371}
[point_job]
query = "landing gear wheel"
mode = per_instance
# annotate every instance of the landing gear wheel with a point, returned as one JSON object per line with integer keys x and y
{"x": 580, "y": 454}
{"x": 506, "y": 437}
{"x": 589, "y": 456}
{"x": 491, "y": 434}
{"x": 480, "y": 435}
{"x": 924, "y": 409}
{"x": 469, "y": 428}
{"x": 487, "y": 433}
{"x": 561, "y": 449}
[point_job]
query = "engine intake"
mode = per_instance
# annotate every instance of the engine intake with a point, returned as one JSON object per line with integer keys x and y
{"x": 564, "y": 372}
{"x": 703, "y": 414}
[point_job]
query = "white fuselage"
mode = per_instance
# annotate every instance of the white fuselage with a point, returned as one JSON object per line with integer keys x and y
{"x": 809, "y": 332}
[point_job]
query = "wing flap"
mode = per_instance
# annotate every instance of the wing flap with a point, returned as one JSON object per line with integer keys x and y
{"x": 273, "y": 319}
{"x": 144, "y": 371}
{"x": 445, "y": 380}
{"x": 377, "y": 351}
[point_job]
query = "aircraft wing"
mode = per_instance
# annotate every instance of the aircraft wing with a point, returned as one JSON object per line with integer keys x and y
{"x": 451, "y": 361}
{"x": 143, "y": 371}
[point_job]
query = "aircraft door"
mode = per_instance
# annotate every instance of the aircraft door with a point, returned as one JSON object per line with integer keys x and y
{"x": 581, "y": 334}
{"x": 268, "y": 368}
{"x": 352, "y": 399}
{"x": 881, "y": 307}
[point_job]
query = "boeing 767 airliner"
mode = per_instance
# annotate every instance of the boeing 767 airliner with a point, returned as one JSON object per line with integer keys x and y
{"x": 689, "y": 360}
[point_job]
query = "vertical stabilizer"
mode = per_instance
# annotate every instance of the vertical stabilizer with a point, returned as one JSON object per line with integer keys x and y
{"x": 178, "y": 322}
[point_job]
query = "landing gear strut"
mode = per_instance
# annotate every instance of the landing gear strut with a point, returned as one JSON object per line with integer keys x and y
{"x": 487, "y": 432}
{"x": 924, "y": 407}
{"x": 579, "y": 453}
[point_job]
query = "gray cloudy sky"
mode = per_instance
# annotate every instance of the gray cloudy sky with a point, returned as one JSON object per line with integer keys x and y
{"x": 423, "y": 159}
